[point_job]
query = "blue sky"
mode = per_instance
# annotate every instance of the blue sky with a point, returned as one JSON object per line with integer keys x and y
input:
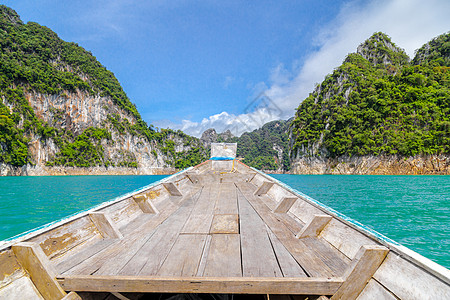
{"x": 193, "y": 65}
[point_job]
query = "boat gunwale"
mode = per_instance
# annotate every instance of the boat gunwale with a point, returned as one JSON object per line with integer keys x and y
{"x": 80, "y": 214}
{"x": 404, "y": 252}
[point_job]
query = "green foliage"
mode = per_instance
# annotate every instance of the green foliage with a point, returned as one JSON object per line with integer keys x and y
{"x": 257, "y": 147}
{"x": 364, "y": 108}
{"x": 193, "y": 154}
{"x": 34, "y": 59}
{"x": 13, "y": 145}
{"x": 436, "y": 51}
{"x": 85, "y": 151}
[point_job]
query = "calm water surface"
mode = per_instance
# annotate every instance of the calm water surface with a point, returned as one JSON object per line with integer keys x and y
{"x": 28, "y": 202}
{"x": 412, "y": 210}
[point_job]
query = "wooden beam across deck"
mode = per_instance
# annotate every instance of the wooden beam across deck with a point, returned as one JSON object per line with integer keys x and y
{"x": 229, "y": 285}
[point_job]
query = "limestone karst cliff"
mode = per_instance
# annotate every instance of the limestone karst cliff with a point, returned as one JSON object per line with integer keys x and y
{"x": 62, "y": 112}
{"x": 378, "y": 113}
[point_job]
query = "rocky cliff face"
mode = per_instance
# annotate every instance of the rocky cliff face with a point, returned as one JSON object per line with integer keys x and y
{"x": 75, "y": 112}
{"x": 373, "y": 165}
{"x": 210, "y": 136}
{"x": 62, "y": 112}
{"x": 378, "y": 113}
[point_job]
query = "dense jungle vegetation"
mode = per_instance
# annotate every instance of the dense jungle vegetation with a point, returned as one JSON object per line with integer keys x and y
{"x": 34, "y": 58}
{"x": 378, "y": 102}
{"x": 258, "y": 147}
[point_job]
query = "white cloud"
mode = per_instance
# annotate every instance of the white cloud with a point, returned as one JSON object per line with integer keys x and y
{"x": 225, "y": 121}
{"x": 410, "y": 24}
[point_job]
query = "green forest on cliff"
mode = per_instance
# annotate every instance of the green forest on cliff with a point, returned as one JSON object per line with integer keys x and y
{"x": 34, "y": 58}
{"x": 378, "y": 102}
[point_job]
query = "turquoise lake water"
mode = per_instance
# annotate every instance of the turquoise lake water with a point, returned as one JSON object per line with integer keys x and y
{"x": 412, "y": 210}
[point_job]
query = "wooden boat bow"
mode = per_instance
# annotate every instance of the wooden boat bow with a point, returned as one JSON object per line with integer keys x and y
{"x": 220, "y": 227}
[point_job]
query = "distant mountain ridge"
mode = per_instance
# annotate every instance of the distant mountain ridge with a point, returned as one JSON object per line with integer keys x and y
{"x": 378, "y": 113}
{"x": 62, "y": 112}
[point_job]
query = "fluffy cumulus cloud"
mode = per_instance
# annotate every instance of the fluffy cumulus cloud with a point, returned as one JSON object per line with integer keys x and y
{"x": 410, "y": 24}
{"x": 225, "y": 121}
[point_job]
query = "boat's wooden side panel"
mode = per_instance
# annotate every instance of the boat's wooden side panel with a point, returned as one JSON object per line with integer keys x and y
{"x": 12, "y": 277}
{"x": 123, "y": 212}
{"x": 22, "y": 286}
{"x": 15, "y": 281}
{"x": 407, "y": 281}
{"x": 345, "y": 238}
{"x": 375, "y": 291}
{"x": 203, "y": 167}
{"x": 59, "y": 240}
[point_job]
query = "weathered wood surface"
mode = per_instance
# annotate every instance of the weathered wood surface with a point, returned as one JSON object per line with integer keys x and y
{"x": 72, "y": 296}
{"x": 172, "y": 189}
{"x": 226, "y": 203}
{"x": 184, "y": 257}
{"x": 225, "y": 224}
{"x": 22, "y": 288}
{"x": 258, "y": 257}
{"x": 241, "y": 285}
{"x": 285, "y": 204}
{"x": 126, "y": 248}
{"x": 224, "y": 256}
{"x": 35, "y": 262}
{"x": 315, "y": 226}
{"x": 105, "y": 225}
{"x": 304, "y": 255}
{"x": 149, "y": 258}
{"x": 75, "y": 259}
{"x": 289, "y": 266}
{"x": 366, "y": 262}
{"x": 264, "y": 188}
{"x": 219, "y": 232}
{"x": 408, "y": 281}
{"x": 65, "y": 237}
{"x": 146, "y": 205}
{"x": 375, "y": 291}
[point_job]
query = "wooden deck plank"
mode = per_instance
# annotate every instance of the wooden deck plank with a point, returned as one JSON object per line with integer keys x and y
{"x": 258, "y": 257}
{"x": 227, "y": 200}
{"x": 125, "y": 248}
{"x": 150, "y": 257}
{"x": 289, "y": 266}
{"x": 202, "y": 264}
{"x": 224, "y": 257}
{"x": 305, "y": 256}
{"x": 184, "y": 258}
{"x": 201, "y": 216}
{"x": 233, "y": 285}
{"x": 225, "y": 224}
